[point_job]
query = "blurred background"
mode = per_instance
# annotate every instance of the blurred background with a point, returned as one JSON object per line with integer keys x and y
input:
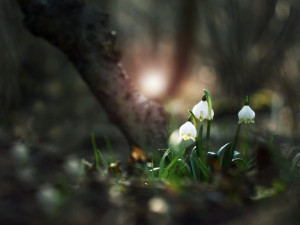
{"x": 172, "y": 50}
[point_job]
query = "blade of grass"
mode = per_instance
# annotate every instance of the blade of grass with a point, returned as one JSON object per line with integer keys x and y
{"x": 162, "y": 163}
{"x": 204, "y": 170}
{"x": 95, "y": 150}
{"x": 292, "y": 150}
{"x": 164, "y": 175}
{"x": 250, "y": 163}
{"x": 109, "y": 148}
{"x": 183, "y": 169}
{"x": 103, "y": 159}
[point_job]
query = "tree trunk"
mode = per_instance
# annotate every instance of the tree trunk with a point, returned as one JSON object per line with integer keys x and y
{"x": 81, "y": 32}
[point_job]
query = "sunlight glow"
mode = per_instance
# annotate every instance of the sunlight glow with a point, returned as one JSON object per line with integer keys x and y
{"x": 153, "y": 83}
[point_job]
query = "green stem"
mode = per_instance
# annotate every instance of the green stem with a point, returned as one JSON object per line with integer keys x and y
{"x": 208, "y": 134}
{"x": 194, "y": 121}
{"x": 235, "y": 140}
{"x": 193, "y": 118}
{"x": 199, "y": 141}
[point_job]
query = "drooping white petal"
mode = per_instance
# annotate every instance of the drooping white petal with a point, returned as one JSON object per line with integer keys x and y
{"x": 246, "y": 115}
{"x": 198, "y": 111}
{"x": 212, "y": 114}
{"x": 201, "y": 111}
{"x": 188, "y": 131}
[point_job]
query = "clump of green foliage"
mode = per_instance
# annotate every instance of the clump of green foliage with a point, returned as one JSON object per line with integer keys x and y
{"x": 196, "y": 162}
{"x": 200, "y": 163}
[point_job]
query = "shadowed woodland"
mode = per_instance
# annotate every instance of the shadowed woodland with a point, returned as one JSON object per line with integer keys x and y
{"x": 120, "y": 76}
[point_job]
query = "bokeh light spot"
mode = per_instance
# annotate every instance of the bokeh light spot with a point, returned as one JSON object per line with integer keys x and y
{"x": 153, "y": 83}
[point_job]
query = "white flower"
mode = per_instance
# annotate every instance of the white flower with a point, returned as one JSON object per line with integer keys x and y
{"x": 201, "y": 111}
{"x": 187, "y": 131}
{"x": 246, "y": 115}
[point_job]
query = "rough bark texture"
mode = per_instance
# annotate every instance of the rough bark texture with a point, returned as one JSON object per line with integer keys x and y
{"x": 81, "y": 32}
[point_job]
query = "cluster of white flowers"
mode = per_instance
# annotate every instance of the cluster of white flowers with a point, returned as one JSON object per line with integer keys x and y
{"x": 201, "y": 112}
{"x": 188, "y": 130}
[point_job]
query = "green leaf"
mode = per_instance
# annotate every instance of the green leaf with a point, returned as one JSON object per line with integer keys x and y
{"x": 292, "y": 150}
{"x": 195, "y": 165}
{"x": 150, "y": 172}
{"x": 221, "y": 150}
{"x": 193, "y": 117}
{"x": 162, "y": 163}
{"x": 211, "y": 155}
{"x": 225, "y": 155}
{"x": 240, "y": 163}
{"x": 163, "y": 174}
{"x": 183, "y": 168}
{"x": 209, "y": 102}
{"x": 237, "y": 154}
{"x": 213, "y": 161}
{"x": 295, "y": 161}
{"x": 199, "y": 141}
{"x": 199, "y": 170}
{"x": 163, "y": 149}
{"x": 250, "y": 163}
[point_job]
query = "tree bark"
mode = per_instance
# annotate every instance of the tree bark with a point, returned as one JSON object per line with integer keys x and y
{"x": 81, "y": 32}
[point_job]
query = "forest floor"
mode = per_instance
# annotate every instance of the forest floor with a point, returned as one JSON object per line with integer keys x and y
{"x": 39, "y": 186}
